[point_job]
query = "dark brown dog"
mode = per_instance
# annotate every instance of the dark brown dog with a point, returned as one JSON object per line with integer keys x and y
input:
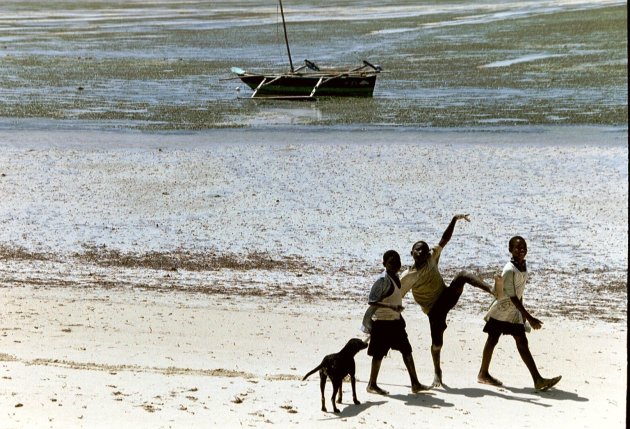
{"x": 336, "y": 366}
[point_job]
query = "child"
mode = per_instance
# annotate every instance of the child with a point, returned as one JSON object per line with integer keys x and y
{"x": 507, "y": 316}
{"x": 387, "y": 330}
{"x": 428, "y": 288}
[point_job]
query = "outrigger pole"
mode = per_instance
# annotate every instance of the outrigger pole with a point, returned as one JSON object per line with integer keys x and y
{"x": 286, "y": 39}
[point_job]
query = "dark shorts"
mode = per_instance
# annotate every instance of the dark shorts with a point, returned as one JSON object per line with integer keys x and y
{"x": 386, "y": 335}
{"x": 496, "y": 328}
{"x": 437, "y": 316}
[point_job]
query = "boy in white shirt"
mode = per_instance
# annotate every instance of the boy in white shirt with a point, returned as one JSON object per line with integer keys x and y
{"x": 507, "y": 316}
{"x": 385, "y": 324}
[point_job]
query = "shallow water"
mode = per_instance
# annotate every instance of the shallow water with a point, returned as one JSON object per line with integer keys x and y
{"x": 166, "y": 64}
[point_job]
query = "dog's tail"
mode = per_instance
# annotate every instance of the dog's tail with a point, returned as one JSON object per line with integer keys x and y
{"x": 314, "y": 370}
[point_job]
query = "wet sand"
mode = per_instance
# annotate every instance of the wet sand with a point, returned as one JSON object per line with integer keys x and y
{"x": 311, "y": 211}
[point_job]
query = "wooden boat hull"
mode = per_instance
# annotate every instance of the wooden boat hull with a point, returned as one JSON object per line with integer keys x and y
{"x": 301, "y": 85}
{"x": 309, "y": 81}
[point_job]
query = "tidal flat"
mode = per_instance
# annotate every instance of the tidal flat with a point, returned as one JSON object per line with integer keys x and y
{"x": 446, "y": 64}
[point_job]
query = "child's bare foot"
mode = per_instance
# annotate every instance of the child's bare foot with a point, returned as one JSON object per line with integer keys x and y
{"x": 546, "y": 383}
{"x": 417, "y": 388}
{"x": 488, "y": 379}
{"x": 373, "y": 388}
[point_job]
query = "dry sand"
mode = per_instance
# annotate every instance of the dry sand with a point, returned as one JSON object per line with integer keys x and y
{"x": 138, "y": 359}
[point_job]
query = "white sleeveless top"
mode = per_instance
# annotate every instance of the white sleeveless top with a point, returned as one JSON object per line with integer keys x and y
{"x": 513, "y": 285}
{"x": 395, "y": 298}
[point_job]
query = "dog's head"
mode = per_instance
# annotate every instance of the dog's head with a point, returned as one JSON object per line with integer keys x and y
{"x": 355, "y": 345}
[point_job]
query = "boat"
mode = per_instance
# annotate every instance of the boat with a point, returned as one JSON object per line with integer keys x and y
{"x": 308, "y": 81}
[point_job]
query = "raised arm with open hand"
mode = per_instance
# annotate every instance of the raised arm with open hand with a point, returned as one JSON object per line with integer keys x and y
{"x": 448, "y": 233}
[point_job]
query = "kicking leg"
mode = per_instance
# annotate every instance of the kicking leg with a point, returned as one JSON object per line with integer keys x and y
{"x": 467, "y": 277}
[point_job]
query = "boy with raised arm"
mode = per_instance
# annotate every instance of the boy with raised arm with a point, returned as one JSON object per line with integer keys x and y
{"x": 426, "y": 284}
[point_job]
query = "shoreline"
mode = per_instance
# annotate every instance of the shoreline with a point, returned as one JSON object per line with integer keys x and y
{"x": 293, "y": 283}
{"x": 25, "y": 124}
{"x": 302, "y": 213}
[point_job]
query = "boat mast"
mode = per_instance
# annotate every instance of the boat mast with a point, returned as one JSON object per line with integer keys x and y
{"x": 286, "y": 39}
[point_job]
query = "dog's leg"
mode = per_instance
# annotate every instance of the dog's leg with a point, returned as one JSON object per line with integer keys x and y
{"x": 340, "y": 394}
{"x": 353, "y": 382}
{"x": 322, "y": 386}
{"x": 336, "y": 388}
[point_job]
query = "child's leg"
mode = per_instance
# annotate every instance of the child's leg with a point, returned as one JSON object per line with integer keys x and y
{"x": 436, "y": 351}
{"x": 466, "y": 277}
{"x": 484, "y": 374}
{"x": 522, "y": 344}
{"x": 540, "y": 383}
{"x": 416, "y": 386}
{"x": 378, "y": 348}
{"x": 437, "y": 324}
{"x": 437, "y": 316}
{"x": 372, "y": 387}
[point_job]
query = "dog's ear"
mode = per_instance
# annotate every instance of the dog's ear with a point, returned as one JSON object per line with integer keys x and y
{"x": 359, "y": 343}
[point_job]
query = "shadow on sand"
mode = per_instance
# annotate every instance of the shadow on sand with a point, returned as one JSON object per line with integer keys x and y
{"x": 432, "y": 399}
{"x": 351, "y": 410}
{"x": 560, "y": 395}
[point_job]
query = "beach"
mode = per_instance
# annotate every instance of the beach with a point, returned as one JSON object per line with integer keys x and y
{"x": 122, "y": 358}
{"x": 177, "y": 279}
{"x": 176, "y": 254}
